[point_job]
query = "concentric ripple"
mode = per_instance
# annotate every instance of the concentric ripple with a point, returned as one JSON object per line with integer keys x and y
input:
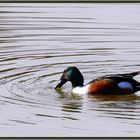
{"x": 38, "y": 41}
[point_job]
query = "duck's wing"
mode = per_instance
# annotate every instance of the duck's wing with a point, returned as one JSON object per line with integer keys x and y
{"x": 119, "y": 77}
{"x": 130, "y": 75}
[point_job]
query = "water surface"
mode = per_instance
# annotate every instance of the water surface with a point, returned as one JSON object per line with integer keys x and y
{"x": 38, "y": 41}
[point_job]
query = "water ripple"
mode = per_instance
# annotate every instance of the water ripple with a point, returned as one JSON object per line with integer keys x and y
{"x": 38, "y": 41}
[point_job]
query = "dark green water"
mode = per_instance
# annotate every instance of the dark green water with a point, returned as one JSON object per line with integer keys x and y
{"x": 38, "y": 41}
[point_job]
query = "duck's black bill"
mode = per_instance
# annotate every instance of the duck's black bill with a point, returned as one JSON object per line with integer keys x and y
{"x": 62, "y": 82}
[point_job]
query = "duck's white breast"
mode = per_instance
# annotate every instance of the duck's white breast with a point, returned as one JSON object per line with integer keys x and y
{"x": 81, "y": 90}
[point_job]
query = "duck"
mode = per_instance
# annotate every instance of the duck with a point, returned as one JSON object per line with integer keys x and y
{"x": 109, "y": 84}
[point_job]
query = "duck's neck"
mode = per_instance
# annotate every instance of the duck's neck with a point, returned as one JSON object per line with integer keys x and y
{"x": 74, "y": 85}
{"x": 76, "y": 78}
{"x": 77, "y": 82}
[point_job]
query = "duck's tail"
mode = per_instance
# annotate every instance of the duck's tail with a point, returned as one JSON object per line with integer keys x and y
{"x": 136, "y": 83}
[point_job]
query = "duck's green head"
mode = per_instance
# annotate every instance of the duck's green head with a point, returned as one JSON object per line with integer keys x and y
{"x": 73, "y": 75}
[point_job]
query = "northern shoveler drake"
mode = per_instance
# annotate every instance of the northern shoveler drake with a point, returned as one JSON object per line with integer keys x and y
{"x": 109, "y": 84}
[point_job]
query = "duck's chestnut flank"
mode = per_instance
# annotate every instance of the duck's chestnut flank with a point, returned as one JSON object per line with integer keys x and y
{"x": 109, "y": 84}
